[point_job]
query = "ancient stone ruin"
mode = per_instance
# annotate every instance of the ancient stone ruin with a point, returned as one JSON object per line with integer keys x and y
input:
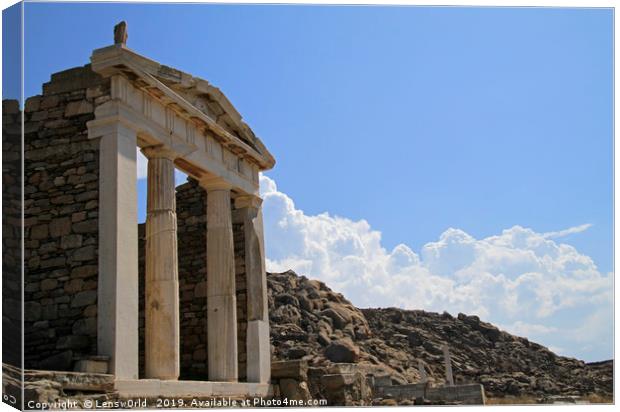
{"x": 177, "y": 306}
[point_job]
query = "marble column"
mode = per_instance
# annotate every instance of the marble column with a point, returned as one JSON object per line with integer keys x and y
{"x": 257, "y": 345}
{"x": 117, "y": 290}
{"x": 221, "y": 298}
{"x": 161, "y": 334}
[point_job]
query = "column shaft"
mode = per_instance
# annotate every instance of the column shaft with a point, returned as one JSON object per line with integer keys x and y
{"x": 257, "y": 345}
{"x": 117, "y": 293}
{"x": 221, "y": 299}
{"x": 162, "y": 339}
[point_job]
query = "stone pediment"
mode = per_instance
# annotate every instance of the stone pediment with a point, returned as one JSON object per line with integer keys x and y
{"x": 208, "y": 99}
{"x": 190, "y": 97}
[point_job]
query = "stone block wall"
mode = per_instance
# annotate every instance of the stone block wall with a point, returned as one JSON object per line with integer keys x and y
{"x": 242, "y": 302}
{"x": 11, "y": 233}
{"x": 61, "y": 202}
{"x": 192, "y": 254}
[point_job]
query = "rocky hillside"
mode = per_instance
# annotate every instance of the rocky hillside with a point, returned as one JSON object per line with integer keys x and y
{"x": 309, "y": 321}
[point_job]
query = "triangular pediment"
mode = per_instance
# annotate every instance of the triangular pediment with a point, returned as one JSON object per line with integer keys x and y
{"x": 185, "y": 92}
{"x": 208, "y": 99}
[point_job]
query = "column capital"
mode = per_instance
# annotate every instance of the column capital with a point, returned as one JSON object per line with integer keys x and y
{"x": 213, "y": 183}
{"x": 158, "y": 152}
{"x": 244, "y": 201}
{"x": 110, "y": 127}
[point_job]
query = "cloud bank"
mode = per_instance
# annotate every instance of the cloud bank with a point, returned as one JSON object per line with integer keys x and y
{"x": 528, "y": 283}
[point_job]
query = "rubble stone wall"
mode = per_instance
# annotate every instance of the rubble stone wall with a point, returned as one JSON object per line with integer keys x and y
{"x": 61, "y": 202}
{"x": 241, "y": 289}
{"x": 192, "y": 254}
{"x": 11, "y": 233}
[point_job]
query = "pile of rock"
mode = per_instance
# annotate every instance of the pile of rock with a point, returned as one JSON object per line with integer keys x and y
{"x": 312, "y": 323}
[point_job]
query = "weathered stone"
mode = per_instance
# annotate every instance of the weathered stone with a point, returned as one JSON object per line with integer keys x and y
{"x": 39, "y": 116}
{"x": 71, "y": 241}
{"x": 292, "y": 389}
{"x": 60, "y": 227}
{"x": 32, "y": 311}
{"x": 86, "y": 326}
{"x": 73, "y": 342}
{"x": 49, "y": 101}
{"x": 84, "y": 271}
{"x": 414, "y": 338}
{"x": 78, "y": 216}
{"x": 87, "y": 226}
{"x": 32, "y": 104}
{"x": 343, "y": 368}
{"x": 338, "y": 321}
{"x": 90, "y": 195}
{"x": 294, "y": 369}
{"x": 53, "y": 262}
{"x": 91, "y": 366}
{"x": 10, "y": 106}
{"x": 39, "y": 232}
{"x": 48, "y": 284}
{"x": 78, "y": 108}
{"x": 90, "y": 311}
{"x": 84, "y": 253}
{"x": 60, "y": 361}
{"x": 84, "y": 298}
{"x": 200, "y": 355}
{"x": 93, "y": 92}
{"x": 342, "y": 351}
{"x": 74, "y": 285}
{"x": 286, "y": 299}
{"x": 49, "y": 312}
{"x": 200, "y": 290}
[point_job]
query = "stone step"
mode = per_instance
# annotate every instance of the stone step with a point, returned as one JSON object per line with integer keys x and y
{"x": 74, "y": 381}
{"x": 294, "y": 369}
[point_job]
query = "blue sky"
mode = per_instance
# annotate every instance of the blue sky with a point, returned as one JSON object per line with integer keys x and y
{"x": 412, "y": 120}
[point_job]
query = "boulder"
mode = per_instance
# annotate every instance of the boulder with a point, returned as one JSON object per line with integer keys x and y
{"x": 292, "y": 389}
{"x": 294, "y": 369}
{"x": 342, "y": 351}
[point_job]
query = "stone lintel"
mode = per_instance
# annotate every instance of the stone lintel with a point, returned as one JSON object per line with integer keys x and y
{"x": 116, "y": 115}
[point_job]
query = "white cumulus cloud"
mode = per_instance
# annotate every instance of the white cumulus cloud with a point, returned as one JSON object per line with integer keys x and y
{"x": 520, "y": 279}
